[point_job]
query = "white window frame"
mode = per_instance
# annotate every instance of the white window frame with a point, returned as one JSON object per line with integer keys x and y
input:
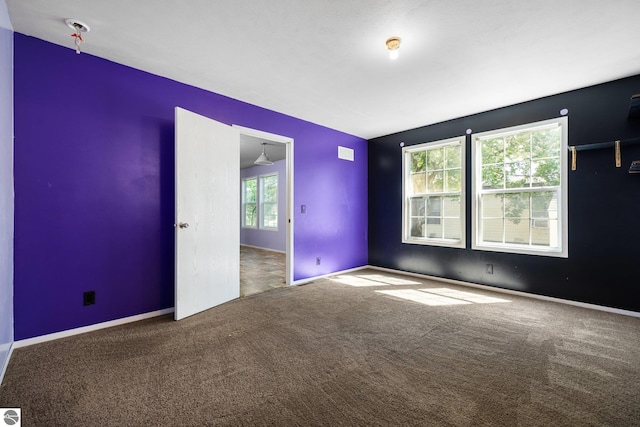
{"x": 244, "y": 202}
{"x": 406, "y": 197}
{"x": 561, "y": 250}
{"x": 261, "y": 201}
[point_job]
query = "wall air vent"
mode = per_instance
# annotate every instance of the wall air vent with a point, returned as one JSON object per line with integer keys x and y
{"x": 634, "y": 108}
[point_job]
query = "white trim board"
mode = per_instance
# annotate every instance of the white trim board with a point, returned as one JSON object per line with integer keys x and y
{"x": 290, "y": 226}
{"x": 324, "y": 276}
{"x": 262, "y": 134}
{"x": 90, "y": 328}
{"x": 3, "y": 369}
{"x": 511, "y": 292}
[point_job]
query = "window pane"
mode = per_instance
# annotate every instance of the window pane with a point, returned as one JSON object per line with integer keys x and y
{"x": 516, "y": 206}
{"x": 417, "y": 227}
{"x": 435, "y": 158}
{"x": 434, "y": 206}
{"x": 250, "y": 186}
{"x": 250, "y": 218}
{"x": 546, "y": 143}
{"x": 492, "y": 151}
{"x": 517, "y": 147}
{"x": 270, "y": 215}
{"x": 544, "y": 232}
{"x": 451, "y": 207}
{"x": 516, "y": 230}
{"x": 418, "y": 183}
{"x": 492, "y": 230}
{"x": 435, "y": 182}
{"x": 452, "y": 228}
{"x": 493, "y": 177}
{"x": 269, "y": 188}
{"x": 454, "y": 182}
{"x": 434, "y": 221}
{"x": 493, "y": 206}
{"x": 249, "y": 211}
{"x": 434, "y": 231}
{"x": 546, "y": 173}
{"x": 418, "y": 161}
{"x": 453, "y": 157}
{"x": 517, "y": 174}
{"x": 417, "y": 206}
{"x": 544, "y": 205}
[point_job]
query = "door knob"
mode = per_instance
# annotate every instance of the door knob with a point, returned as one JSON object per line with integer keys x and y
{"x": 183, "y": 225}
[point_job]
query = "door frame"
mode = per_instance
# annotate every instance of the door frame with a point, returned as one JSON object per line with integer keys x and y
{"x": 272, "y": 137}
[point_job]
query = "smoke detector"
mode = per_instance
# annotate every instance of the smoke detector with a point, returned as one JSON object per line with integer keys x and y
{"x": 76, "y": 25}
{"x": 78, "y": 28}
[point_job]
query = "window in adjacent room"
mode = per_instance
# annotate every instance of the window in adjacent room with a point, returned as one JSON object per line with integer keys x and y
{"x": 520, "y": 189}
{"x": 434, "y": 207}
{"x": 269, "y": 201}
{"x": 249, "y": 202}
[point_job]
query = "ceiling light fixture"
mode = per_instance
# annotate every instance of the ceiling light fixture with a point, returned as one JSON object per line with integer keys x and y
{"x": 263, "y": 159}
{"x": 393, "y": 45}
{"x": 78, "y": 28}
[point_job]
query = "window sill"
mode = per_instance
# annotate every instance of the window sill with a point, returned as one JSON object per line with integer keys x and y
{"x": 433, "y": 242}
{"x": 526, "y": 250}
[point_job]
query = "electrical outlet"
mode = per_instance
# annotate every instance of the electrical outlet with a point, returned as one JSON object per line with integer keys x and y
{"x": 303, "y": 208}
{"x": 318, "y": 261}
{"x": 89, "y": 298}
{"x": 489, "y": 268}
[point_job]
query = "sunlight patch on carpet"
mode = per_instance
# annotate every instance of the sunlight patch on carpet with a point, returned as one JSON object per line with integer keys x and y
{"x": 465, "y": 296}
{"x": 371, "y": 280}
{"x": 423, "y": 297}
{"x": 388, "y": 280}
{"x": 441, "y": 296}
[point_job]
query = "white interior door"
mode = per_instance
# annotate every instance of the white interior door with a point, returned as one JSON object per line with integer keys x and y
{"x": 207, "y": 180}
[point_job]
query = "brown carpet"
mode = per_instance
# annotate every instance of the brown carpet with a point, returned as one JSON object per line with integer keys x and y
{"x": 330, "y": 353}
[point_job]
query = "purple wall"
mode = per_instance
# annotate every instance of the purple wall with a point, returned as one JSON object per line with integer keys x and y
{"x": 6, "y": 189}
{"x": 95, "y": 195}
{"x": 268, "y": 239}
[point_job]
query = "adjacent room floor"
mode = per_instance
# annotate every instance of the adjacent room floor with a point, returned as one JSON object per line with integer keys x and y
{"x": 261, "y": 270}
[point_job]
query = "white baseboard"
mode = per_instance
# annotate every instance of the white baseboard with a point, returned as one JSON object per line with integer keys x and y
{"x": 3, "y": 368}
{"x": 264, "y": 249}
{"x": 311, "y": 279}
{"x": 512, "y": 292}
{"x": 90, "y": 328}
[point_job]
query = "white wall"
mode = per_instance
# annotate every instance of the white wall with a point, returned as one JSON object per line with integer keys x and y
{"x": 6, "y": 186}
{"x": 268, "y": 239}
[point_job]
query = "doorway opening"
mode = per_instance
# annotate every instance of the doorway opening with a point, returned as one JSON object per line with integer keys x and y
{"x": 266, "y": 234}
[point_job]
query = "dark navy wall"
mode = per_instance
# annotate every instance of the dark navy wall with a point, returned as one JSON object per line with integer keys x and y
{"x": 94, "y": 205}
{"x": 604, "y": 204}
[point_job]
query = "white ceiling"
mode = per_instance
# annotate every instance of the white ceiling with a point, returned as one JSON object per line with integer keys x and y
{"x": 251, "y": 147}
{"x": 325, "y": 60}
